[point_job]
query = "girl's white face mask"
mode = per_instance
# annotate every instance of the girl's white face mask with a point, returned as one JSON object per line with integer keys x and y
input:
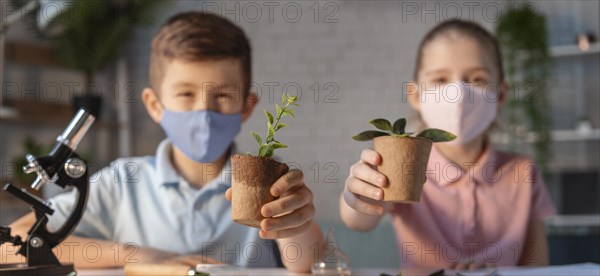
{"x": 461, "y": 108}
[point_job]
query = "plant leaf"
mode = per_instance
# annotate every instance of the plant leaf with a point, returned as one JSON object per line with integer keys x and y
{"x": 283, "y": 98}
{"x": 289, "y": 112}
{"x": 368, "y": 135}
{"x": 280, "y": 126}
{"x": 437, "y": 135}
{"x": 292, "y": 99}
{"x": 256, "y": 137}
{"x": 269, "y": 116}
{"x": 265, "y": 150}
{"x": 278, "y": 145}
{"x": 271, "y": 131}
{"x": 381, "y": 124}
{"x": 399, "y": 126}
{"x": 279, "y": 110}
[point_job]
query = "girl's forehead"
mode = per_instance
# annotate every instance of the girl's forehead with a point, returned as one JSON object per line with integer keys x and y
{"x": 456, "y": 52}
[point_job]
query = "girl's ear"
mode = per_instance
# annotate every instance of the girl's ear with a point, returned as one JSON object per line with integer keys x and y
{"x": 249, "y": 104}
{"x": 412, "y": 95}
{"x": 152, "y": 104}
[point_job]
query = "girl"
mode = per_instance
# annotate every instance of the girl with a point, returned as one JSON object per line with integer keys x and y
{"x": 479, "y": 206}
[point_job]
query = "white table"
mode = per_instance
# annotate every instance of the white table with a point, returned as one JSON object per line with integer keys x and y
{"x": 249, "y": 271}
{"x": 584, "y": 269}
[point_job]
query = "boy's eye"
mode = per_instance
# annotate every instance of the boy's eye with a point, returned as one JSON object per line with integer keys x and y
{"x": 222, "y": 97}
{"x": 440, "y": 80}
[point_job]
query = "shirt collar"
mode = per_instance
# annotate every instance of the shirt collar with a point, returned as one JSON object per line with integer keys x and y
{"x": 167, "y": 174}
{"x": 445, "y": 172}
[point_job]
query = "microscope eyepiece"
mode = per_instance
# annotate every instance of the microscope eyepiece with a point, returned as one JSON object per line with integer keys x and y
{"x": 76, "y": 129}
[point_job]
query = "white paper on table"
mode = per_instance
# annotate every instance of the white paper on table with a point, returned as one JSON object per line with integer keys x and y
{"x": 591, "y": 269}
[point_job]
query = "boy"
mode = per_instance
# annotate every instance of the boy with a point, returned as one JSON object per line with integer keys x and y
{"x": 173, "y": 207}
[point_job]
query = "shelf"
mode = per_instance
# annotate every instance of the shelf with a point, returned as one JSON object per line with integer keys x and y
{"x": 53, "y": 123}
{"x": 40, "y": 112}
{"x": 573, "y": 225}
{"x": 573, "y": 50}
{"x": 591, "y": 220}
{"x": 564, "y": 135}
{"x": 31, "y": 54}
{"x": 55, "y": 115}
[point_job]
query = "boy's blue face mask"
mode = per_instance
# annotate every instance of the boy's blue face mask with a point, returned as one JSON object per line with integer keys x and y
{"x": 202, "y": 135}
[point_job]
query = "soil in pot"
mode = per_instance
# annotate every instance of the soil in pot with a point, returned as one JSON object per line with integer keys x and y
{"x": 252, "y": 178}
{"x": 404, "y": 163}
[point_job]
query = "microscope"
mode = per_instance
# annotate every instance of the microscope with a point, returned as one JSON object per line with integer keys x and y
{"x": 62, "y": 167}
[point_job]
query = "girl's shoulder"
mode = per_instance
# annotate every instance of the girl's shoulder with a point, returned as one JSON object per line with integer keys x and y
{"x": 521, "y": 166}
{"x": 511, "y": 158}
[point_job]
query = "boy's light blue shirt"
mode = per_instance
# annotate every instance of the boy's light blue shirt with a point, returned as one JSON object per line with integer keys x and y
{"x": 143, "y": 200}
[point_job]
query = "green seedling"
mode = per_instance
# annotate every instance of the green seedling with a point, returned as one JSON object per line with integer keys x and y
{"x": 398, "y": 129}
{"x": 267, "y": 146}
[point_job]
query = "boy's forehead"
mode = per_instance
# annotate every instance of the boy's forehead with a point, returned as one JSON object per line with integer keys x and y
{"x": 222, "y": 72}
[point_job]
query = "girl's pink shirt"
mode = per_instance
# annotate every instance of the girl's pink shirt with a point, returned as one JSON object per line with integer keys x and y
{"x": 480, "y": 214}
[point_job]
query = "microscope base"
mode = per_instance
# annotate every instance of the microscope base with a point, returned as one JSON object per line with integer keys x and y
{"x": 23, "y": 270}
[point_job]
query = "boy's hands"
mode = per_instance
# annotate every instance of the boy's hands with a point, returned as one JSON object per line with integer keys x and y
{"x": 362, "y": 191}
{"x": 292, "y": 213}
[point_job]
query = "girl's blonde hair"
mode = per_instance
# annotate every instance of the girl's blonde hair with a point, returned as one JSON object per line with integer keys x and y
{"x": 470, "y": 29}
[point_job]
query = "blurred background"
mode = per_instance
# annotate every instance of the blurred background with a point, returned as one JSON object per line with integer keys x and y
{"x": 347, "y": 61}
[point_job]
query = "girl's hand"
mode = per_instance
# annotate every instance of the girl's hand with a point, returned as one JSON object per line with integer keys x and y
{"x": 362, "y": 191}
{"x": 292, "y": 213}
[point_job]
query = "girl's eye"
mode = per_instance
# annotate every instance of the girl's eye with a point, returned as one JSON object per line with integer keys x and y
{"x": 185, "y": 94}
{"x": 478, "y": 80}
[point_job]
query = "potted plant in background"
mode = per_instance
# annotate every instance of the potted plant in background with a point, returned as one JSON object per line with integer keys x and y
{"x": 253, "y": 176}
{"x": 523, "y": 38}
{"x": 30, "y": 146}
{"x": 87, "y": 35}
{"x": 35, "y": 148}
{"x": 403, "y": 157}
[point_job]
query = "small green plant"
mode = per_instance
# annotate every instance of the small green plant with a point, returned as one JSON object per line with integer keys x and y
{"x": 30, "y": 146}
{"x": 267, "y": 146}
{"x": 398, "y": 129}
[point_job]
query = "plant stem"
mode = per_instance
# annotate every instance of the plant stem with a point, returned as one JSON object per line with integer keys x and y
{"x": 274, "y": 126}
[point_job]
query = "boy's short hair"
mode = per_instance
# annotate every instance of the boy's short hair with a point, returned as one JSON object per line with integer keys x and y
{"x": 199, "y": 36}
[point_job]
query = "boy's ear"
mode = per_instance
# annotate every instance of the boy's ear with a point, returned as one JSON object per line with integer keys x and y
{"x": 249, "y": 104}
{"x": 412, "y": 95}
{"x": 152, "y": 104}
